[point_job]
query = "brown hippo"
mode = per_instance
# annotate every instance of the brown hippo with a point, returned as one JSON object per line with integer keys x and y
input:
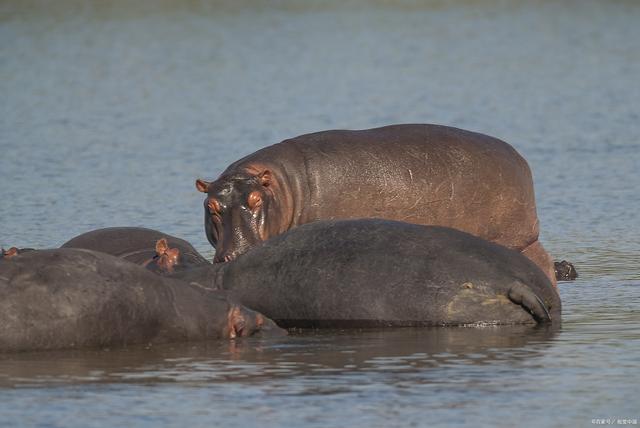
{"x": 74, "y": 298}
{"x": 371, "y": 272}
{"x": 157, "y": 251}
{"x": 423, "y": 174}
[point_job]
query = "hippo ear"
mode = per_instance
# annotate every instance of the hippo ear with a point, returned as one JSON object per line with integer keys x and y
{"x": 161, "y": 246}
{"x": 13, "y": 251}
{"x": 265, "y": 178}
{"x": 202, "y": 186}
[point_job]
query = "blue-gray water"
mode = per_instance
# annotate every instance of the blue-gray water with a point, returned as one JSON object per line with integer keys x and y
{"x": 110, "y": 110}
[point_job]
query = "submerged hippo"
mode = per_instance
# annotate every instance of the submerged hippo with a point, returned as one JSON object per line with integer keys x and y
{"x": 72, "y": 298}
{"x": 423, "y": 174}
{"x": 369, "y": 272}
{"x": 159, "y": 252}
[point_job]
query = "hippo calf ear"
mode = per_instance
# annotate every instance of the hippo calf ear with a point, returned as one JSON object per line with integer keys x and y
{"x": 202, "y": 186}
{"x": 161, "y": 246}
{"x": 11, "y": 252}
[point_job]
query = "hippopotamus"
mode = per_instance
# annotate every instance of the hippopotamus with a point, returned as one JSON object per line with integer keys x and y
{"x": 565, "y": 271}
{"x": 374, "y": 272}
{"x": 157, "y": 251}
{"x": 74, "y": 298}
{"x": 423, "y": 174}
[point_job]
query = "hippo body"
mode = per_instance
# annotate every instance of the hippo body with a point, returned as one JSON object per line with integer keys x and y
{"x": 422, "y": 174}
{"x": 73, "y": 298}
{"x": 137, "y": 245}
{"x": 369, "y": 272}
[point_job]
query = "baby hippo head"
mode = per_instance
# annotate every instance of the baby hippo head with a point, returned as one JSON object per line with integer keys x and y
{"x": 242, "y": 322}
{"x": 236, "y": 211}
{"x": 165, "y": 260}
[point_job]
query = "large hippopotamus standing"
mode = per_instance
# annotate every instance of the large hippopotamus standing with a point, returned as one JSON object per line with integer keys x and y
{"x": 423, "y": 174}
{"x": 371, "y": 272}
{"x": 73, "y": 298}
{"x": 157, "y": 251}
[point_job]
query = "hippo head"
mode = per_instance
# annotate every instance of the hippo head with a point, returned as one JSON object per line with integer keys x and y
{"x": 242, "y": 322}
{"x": 236, "y": 211}
{"x": 165, "y": 260}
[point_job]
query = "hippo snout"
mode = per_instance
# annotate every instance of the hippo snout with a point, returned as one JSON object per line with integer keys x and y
{"x": 244, "y": 322}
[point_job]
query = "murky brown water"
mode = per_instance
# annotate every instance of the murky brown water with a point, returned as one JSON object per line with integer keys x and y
{"x": 109, "y": 111}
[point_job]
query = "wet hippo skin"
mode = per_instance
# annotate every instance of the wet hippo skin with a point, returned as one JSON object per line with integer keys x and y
{"x": 423, "y": 174}
{"x": 73, "y": 298}
{"x": 368, "y": 272}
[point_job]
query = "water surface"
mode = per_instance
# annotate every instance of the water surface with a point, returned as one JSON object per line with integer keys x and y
{"x": 110, "y": 110}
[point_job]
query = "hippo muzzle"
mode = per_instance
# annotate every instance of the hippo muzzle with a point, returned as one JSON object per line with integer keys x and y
{"x": 235, "y": 215}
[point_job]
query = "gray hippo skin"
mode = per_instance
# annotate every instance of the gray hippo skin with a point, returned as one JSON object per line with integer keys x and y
{"x": 72, "y": 298}
{"x": 369, "y": 272}
{"x": 141, "y": 246}
{"x": 422, "y": 174}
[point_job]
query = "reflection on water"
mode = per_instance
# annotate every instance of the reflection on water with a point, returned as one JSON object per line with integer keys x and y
{"x": 304, "y": 353}
{"x": 110, "y": 110}
{"x": 320, "y": 378}
{"x": 415, "y": 368}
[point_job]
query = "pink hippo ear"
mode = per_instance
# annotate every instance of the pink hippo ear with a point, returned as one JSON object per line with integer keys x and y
{"x": 11, "y": 252}
{"x": 166, "y": 258}
{"x": 202, "y": 186}
{"x": 161, "y": 246}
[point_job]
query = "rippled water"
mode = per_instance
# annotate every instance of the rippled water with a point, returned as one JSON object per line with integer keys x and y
{"x": 109, "y": 111}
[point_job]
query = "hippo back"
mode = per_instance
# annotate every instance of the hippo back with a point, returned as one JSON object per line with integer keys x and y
{"x": 363, "y": 272}
{"x": 77, "y": 298}
{"x": 422, "y": 174}
{"x": 135, "y": 244}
